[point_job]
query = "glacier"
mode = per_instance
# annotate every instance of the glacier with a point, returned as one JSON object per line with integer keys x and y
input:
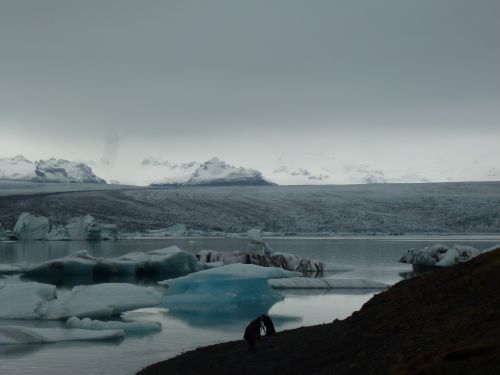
{"x": 12, "y": 334}
{"x": 127, "y": 327}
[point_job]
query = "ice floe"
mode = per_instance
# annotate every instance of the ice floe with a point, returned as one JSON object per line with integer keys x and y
{"x": 225, "y": 289}
{"x": 24, "y": 300}
{"x": 167, "y": 262}
{"x": 325, "y": 283}
{"x": 286, "y": 261}
{"x": 128, "y": 327}
{"x": 30, "y": 300}
{"x": 100, "y": 301}
{"x": 28, "y": 335}
{"x": 439, "y": 255}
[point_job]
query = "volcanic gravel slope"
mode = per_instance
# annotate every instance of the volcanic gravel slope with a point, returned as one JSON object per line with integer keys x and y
{"x": 443, "y": 322}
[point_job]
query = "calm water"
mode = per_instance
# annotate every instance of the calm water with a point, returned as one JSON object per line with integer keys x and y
{"x": 374, "y": 259}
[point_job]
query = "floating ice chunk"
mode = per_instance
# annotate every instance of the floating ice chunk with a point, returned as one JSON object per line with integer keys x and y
{"x": 6, "y": 269}
{"x": 298, "y": 283}
{"x": 83, "y": 228}
{"x": 256, "y": 245}
{"x": 228, "y": 288}
{"x": 325, "y": 283}
{"x": 100, "y": 301}
{"x": 439, "y": 255}
{"x": 24, "y": 300}
{"x": 170, "y": 262}
{"x": 490, "y": 249}
{"x": 233, "y": 271}
{"x": 29, "y": 335}
{"x": 128, "y": 327}
{"x": 282, "y": 260}
{"x": 31, "y": 227}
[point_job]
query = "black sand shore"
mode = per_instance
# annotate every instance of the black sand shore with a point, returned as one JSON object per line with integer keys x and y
{"x": 443, "y": 322}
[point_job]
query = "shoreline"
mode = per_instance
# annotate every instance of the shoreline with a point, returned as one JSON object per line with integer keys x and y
{"x": 445, "y": 321}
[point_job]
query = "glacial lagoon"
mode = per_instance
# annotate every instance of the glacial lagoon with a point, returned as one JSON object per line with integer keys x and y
{"x": 369, "y": 258}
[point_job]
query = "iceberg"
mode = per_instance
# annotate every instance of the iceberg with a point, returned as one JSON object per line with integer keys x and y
{"x": 30, "y": 227}
{"x": 490, "y": 249}
{"x": 438, "y": 256}
{"x": 282, "y": 260}
{"x": 83, "y": 228}
{"x": 3, "y": 234}
{"x": 256, "y": 245}
{"x": 325, "y": 283}
{"x": 28, "y": 335}
{"x": 127, "y": 327}
{"x": 6, "y": 269}
{"x": 226, "y": 289}
{"x": 99, "y": 301}
{"x": 30, "y": 300}
{"x": 169, "y": 262}
{"x": 24, "y": 300}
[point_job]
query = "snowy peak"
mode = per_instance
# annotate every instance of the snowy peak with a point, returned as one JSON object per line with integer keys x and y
{"x": 60, "y": 170}
{"x": 52, "y": 170}
{"x": 213, "y": 172}
{"x": 17, "y": 168}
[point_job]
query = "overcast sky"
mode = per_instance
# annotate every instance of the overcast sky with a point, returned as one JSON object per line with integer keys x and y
{"x": 407, "y": 88}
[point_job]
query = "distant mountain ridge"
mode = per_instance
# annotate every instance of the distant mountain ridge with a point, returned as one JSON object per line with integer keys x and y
{"x": 18, "y": 168}
{"x": 213, "y": 172}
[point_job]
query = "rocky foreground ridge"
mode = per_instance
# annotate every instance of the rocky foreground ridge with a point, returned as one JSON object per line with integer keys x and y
{"x": 442, "y": 322}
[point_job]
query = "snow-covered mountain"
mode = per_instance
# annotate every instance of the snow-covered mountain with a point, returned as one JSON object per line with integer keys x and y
{"x": 213, "y": 172}
{"x": 19, "y": 168}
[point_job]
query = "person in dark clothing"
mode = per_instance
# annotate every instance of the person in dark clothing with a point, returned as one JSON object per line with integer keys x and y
{"x": 268, "y": 325}
{"x": 252, "y": 333}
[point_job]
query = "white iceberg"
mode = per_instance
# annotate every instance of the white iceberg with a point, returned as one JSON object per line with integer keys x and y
{"x": 29, "y": 300}
{"x": 170, "y": 261}
{"x": 3, "y": 233}
{"x": 30, "y": 227}
{"x": 128, "y": 327}
{"x": 83, "y": 228}
{"x": 490, "y": 249}
{"x": 28, "y": 335}
{"x": 6, "y": 269}
{"x": 24, "y": 300}
{"x": 439, "y": 255}
{"x": 100, "y": 301}
{"x": 256, "y": 245}
{"x": 325, "y": 283}
{"x": 236, "y": 287}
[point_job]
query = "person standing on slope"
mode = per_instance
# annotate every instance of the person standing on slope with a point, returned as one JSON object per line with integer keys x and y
{"x": 252, "y": 333}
